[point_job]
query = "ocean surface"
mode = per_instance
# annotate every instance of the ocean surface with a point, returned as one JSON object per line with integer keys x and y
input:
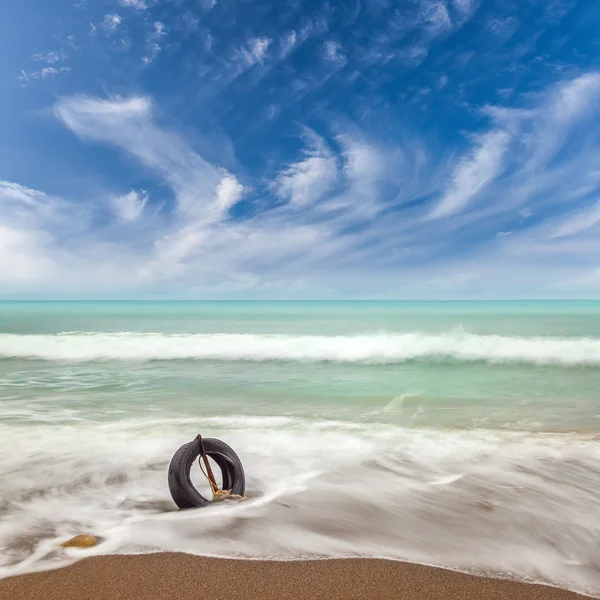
{"x": 459, "y": 434}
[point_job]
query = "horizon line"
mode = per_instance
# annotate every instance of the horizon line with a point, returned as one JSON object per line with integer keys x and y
{"x": 340, "y": 300}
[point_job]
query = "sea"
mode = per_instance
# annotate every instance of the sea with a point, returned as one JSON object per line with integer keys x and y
{"x": 459, "y": 434}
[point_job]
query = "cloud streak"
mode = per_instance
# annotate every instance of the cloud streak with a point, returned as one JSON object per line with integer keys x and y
{"x": 474, "y": 173}
{"x": 312, "y": 177}
{"x": 332, "y": 52}
{"x": 254, "y": 52}
{"x": 130, "y": 207}
{"x": 376, "y": 195}
{"x": 111, "y": 22}
{"x": 137, "y": 4}
{"x": 49, "y": 57}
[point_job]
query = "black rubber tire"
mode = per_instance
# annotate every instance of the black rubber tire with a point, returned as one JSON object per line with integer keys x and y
{"x": 181, "y": 487}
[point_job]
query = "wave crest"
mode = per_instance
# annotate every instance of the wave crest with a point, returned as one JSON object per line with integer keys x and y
{"x": 375, "y": 348}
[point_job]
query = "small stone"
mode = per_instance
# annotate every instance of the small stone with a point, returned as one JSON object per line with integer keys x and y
{"x": 80, "y": 541}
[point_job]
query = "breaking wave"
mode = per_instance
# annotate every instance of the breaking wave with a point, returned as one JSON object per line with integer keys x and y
{"x": 372, "y": 348}
{"x": 481, "y": 501}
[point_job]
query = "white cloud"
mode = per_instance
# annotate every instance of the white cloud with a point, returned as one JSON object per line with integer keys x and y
{"x": 23, "y": 78}
{"x": 552, "y": 144}
{"x": 413, "y": 55}
{"x": 160, "y": 30}
{"x": 350, "y": 207}
{"x": 198, "y": 225}
{"x": 14, "y": 191}
{"x": 579, "y": 222}
{"x": 229, "y": 192}
{"x": 111, "y": 22}
{"x": 288, "y": 43}
{"x": 272, "y": 111}
{"x": 128, "y": 124}
{"x": 30, "y": 252}
{"x": 464, "y": 6}
{"x": 45, "y": 73}
{"x": 526, "y": 213}
{"x": 21, "y": 206}
{"x": 572, "y": 100}
{"x": 474, "y": 173}
{"x": 191, "y": 22}
{"x": 255, "y": 52}
{"x": 83, "y": 113}
{"x": 332, "y": 51}
{"x": 137, "y": 4}
{"x": 153, "y": 51}
{"x": 50, "y": 72}
{"x": 130, "y": 207}
{"x": 436, "y": 17}
{"x": 362, "y": 161}
{"x": 306, "y": 181}
{"x": 49, "y": 57}
{"x": 24, "y": 257}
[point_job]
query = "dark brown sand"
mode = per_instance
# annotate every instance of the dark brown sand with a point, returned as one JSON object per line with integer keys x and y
{"x": 171, "y": 576}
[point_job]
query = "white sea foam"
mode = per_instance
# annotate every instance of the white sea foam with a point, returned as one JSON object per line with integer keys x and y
{"x": 376, "y": 348}
{"x": 525, "y": 504}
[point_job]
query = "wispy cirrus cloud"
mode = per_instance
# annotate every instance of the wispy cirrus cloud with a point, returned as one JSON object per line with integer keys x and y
{"x": 50, "y": 57}
{"x": 49, "y": 72}
{"x": 346, "y": 203}
{"x": 288, "y": 42}
{"x": 292, "y": 39}
{"x": 130, "y": 206}
{"x": 128, "y": 123}
{"x": 198, "y": 225}
{"x": 254, "y": 52}
{"x": 310, "y": 178}
{"x": 229, "y": 193}
{"x": 532, "y": 147}
{"x": 332, "y": 52}
{"x": 578, "y": 222}
{"x": 465, "y": 7}
{"x": 111, "y": 22}
{"x": 241, "y": 58}
{"x": 24, "y": 258}
{"x": 137, "y": 4}
{"x": 436, "y": 17}
{"x": 45, "y": 73}
{"x": 434, "y": 143}
{"x": 30, "y": 253}
{"x": 159, "y": 31}
{"x": 474, "y": 173}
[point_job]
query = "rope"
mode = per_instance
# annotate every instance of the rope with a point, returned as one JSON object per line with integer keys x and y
{"x": 217, "y": 493}
{"x": 208, "y": 474}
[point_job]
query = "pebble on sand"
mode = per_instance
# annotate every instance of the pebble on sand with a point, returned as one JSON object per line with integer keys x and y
{"x": 80, "y": 541}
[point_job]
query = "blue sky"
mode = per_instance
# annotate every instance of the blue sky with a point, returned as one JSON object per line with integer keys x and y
{"x": 307, "y": 149}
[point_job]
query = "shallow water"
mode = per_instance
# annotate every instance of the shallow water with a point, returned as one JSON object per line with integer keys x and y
{"x": 457, "y": 434}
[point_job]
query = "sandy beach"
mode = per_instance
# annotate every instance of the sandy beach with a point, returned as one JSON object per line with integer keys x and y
{"x": 172, "y": 576}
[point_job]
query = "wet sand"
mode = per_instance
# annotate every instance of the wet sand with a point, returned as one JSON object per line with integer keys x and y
{"x": 171, "y": 576}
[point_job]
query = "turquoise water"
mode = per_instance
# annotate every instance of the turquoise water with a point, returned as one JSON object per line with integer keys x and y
{"x": 455, "y": 433}
{"x": 526, "y": 387}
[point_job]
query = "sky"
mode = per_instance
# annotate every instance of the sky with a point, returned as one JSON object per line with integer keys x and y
{"x": 251, "y": 149}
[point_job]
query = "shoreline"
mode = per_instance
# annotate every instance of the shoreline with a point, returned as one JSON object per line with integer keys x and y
{"x": 176, "y": 576}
